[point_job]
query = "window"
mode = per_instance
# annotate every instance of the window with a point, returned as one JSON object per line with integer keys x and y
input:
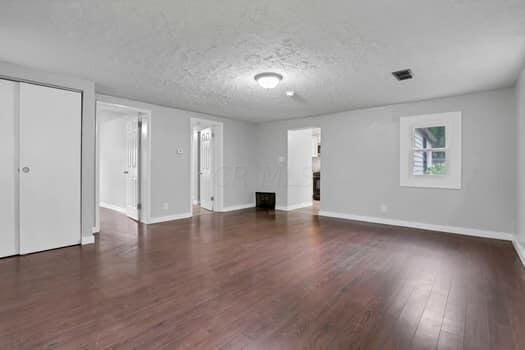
{"x": 430, "y": 154}
{"x": 430, "y": 150}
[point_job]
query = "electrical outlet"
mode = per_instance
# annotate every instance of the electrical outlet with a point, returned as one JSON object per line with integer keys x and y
{"x": 384, "y": 208}
{"x": 165, "y": 206}
{"x": 180, "y": 150}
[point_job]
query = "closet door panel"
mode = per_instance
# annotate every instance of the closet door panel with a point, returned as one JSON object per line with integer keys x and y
{"x": 50, "y": 161}
{"x": 8, "y": 168}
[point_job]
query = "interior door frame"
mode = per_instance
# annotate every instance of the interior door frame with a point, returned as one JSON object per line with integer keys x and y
{"x": 136, "y": 210}
{"x": 286, "y": 206}
{"x": 144, "y": 171}
{"x": 211, "y": 171}
{"x": 218, "y": 129}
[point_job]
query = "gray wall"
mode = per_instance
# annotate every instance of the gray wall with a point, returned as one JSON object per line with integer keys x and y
{"x": 113, "y": 160}
{"x": 360, "y": 159}
{"x": 360, "y": 171}
{"x": 520, "y": 101}
{"x": 171, "y": 173}
{"x": 239, "y": 162}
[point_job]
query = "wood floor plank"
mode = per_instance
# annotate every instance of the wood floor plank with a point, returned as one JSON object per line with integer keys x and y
{"x": 264, "y": 280}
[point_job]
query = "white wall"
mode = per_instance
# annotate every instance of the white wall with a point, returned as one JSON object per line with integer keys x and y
{"x": 171, "y": 173}
{"x": 113, "y": 159}
{"x": 195, "y": 168}
{"x": 353, "y": 181}
{"x": 361, "y": 163}
{"x": 520, "y": 104}
{"x": 316, "y": 140}
{"x": 239, "y": 162}
{"x": 299, "y": 158}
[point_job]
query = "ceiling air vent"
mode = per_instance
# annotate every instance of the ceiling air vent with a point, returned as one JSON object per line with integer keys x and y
{"x": 404, "y": 74}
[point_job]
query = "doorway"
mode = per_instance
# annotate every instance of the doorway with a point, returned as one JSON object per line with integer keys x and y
{"x": 206, "y": 167}
{"x": 123, "y": 161}
{"x": 304, "y": 170}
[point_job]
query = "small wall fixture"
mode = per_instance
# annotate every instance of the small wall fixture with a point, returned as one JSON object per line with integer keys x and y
{"x": 404, "y": 74}
{"x": 290, "y": 93}
{"x": 268, "y": 80}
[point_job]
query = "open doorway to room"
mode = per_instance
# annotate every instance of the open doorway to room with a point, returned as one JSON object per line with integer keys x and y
{"x": 206, "y": 167}
{"x": 122, "y": 161}
{"x": 304, "y": 170}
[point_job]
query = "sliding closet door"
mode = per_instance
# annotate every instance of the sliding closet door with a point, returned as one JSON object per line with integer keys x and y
{"x": 50, "y": 139}
{"x": 8, "y": 167}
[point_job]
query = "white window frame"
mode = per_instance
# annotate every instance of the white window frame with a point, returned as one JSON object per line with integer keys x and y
{"x": 452, "y": 123}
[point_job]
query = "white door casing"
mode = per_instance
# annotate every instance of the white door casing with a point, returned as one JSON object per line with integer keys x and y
{"x": 50, "y": 168}
{"x": 206, "y": 169}
{"x": 133, "y": 166}
{"x": 8, "y": 170}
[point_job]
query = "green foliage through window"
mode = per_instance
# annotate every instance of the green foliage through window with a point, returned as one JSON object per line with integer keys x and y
{"x": 437, "y": 169}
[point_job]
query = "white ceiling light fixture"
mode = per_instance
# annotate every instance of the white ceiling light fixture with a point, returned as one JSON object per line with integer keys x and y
{"x": 290, "y": 93}
{"x": 268, "y": 80}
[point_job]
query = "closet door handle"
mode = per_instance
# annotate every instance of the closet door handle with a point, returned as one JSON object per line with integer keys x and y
{"x": 26, "y": 169}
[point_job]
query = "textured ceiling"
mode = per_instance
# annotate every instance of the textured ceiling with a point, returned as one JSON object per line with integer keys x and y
{"x": 201, "y": 55}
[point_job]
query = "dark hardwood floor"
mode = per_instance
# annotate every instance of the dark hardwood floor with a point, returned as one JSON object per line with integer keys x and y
{"x": 258, "y": 280}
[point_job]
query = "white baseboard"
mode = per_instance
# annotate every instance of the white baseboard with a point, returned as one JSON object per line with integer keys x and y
{"x": 520, "y": 250}
{"x": 169, "y": 218}
{"x": 95, "y": 229}
{"x": 87, "y": 240}
{"x": 237, "y": 207}
{"x": 113, "y": 207}
{"x": 423, "y": 226}
{"x": 295, "y": 206}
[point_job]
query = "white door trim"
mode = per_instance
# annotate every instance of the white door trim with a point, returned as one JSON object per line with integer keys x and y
{"x": 132, "y": 171}
{"x": 206, "y": 170}
{"x": 218, "y": 129}
{"x": 145, "y": 171}
{"x": 286, "y": 205}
